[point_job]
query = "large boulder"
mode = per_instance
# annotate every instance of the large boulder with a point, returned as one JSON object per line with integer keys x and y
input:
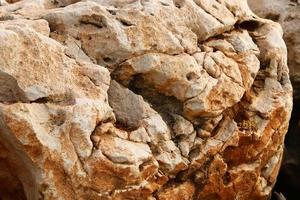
{"x": 135, "y": 99}
{"x": 287, "y": 13}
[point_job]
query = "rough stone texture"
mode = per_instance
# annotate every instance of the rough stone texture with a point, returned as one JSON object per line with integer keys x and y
{"x": 289, "y": 177}
{"x": 287, "y": 13}
{"x": 136, "y": 99}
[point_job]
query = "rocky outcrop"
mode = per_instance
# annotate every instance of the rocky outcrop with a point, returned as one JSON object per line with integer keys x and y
{"x": 140, "y": 100}
{"x": 287, "y": 13}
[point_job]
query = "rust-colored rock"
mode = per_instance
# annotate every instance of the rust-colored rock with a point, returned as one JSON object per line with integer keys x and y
{"x": 169, "y": 99}
{"x": 287, "y": 13}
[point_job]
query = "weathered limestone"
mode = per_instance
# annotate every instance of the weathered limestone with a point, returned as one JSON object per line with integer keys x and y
{"x": 183, "y": 99}
{"x": 287, "y": 13}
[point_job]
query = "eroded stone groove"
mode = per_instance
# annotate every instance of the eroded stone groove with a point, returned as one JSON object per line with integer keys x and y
{"x": 183, "y": 99}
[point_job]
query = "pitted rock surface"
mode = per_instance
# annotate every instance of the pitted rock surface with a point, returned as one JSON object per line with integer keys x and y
{"x": 140, "y": 99}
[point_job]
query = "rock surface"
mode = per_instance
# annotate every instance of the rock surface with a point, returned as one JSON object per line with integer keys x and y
{"x": 288, "y": 181}
{"x": 287, "y": 13}
{"x": 136, "y": 99}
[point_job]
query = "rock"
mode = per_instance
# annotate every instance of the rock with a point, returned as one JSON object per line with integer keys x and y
{"x": 182, "y": 126}
{"x": 140, "y": 100}
{"x": 287, "y": 13}
{"x": 279, "y": 196}
{"x": 288, "y": 179}
{"x": 130, "y": 109}
{"x": 178, "y": 192}
{"x": 123, "y": 151}
{"x": 140, "y": 135}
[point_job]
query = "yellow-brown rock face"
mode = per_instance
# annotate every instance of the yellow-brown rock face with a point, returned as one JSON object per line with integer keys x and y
{"x": 287, "y": 13}
{"x": 140, "y": 99}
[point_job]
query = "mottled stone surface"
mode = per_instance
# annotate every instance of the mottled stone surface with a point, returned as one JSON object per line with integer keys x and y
{"x": 287, "y": 13}
{"x": 136, "y": 99}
